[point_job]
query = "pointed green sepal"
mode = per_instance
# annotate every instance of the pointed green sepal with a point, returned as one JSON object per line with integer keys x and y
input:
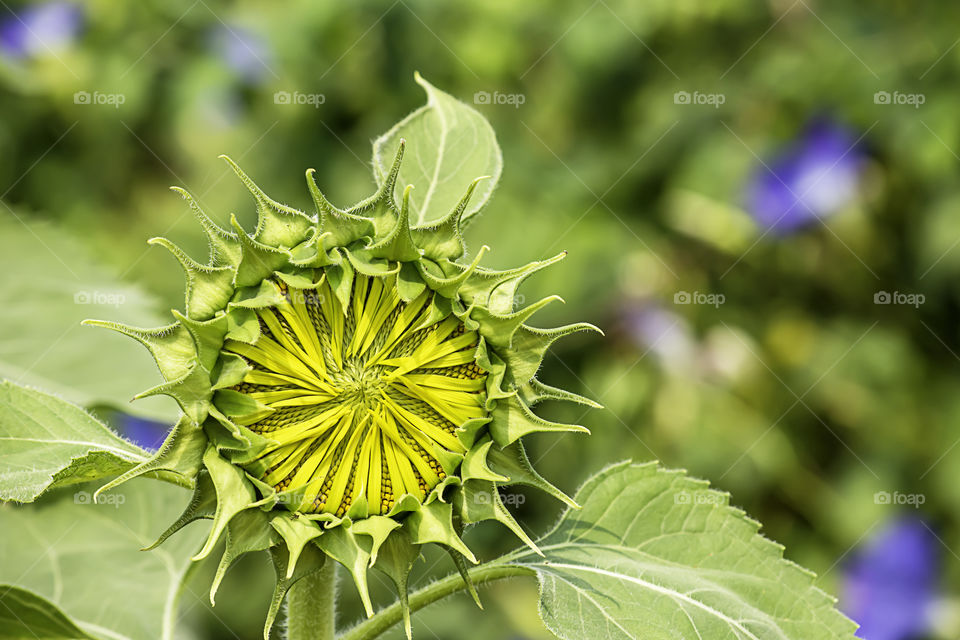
{"x": 381, "y": 207}
{"x": 444, "y": 240}
{"x": 369, "y": 265}
{"x": 460, "y": 562}
{"x": 529, "y": 347}
{"x": 207, "y": 336}
{"x": 236, "y": 405}
{"x": 475, "y": 465}
{"x": 229, "y": 371}
{"x": 208, "y": 288}
{"x": 234, "y": 494}
{"x": 277, "y": 224}
{"x": 179, "y": 458}
{"x": 247, "y": 532}
{"x": 409, "y": 284}
{"x": 340, "y": 228}
{"x": 497, "y": 290}
{"x": 352, "y": 550}
{"x": 311, "y": 253}
{"x": 378, "y": 528}
{"x": 396, "y": 559}
{"x": 512, "y": 462}
{"x": 192, "y": 392}
{"x": 449, "y": 286}
{"x": 534, "y": 392}
{"x": 479, "y": 500}
{"x": 311, "y": 561}
{"x": 224, "y": 245}
{"x": 296, "y": 533}
{"x": 242, "y": 324}
{"x": 258, "y": 260}
{"x": 341, "y": 281}
{"x": 171, "y": 346}
{"x": 500, "y": 329}
{"x": 203, "y": 504}
{"x": 433, "y": 522}
{"x": 512, "y": 419}
{"x": 397, "y": 245}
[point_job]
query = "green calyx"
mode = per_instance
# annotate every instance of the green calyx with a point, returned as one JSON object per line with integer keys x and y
{"x": 350, "y": 387}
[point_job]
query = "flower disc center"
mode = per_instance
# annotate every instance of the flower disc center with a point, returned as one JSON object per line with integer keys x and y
{"x": 361, "y": 402}
{"x": 363, "y": 385}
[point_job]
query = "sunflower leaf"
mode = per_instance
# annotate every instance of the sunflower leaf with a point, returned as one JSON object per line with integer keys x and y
{"x": 654, "y": 554}
{"x": 48, "y": 443}
{"x": 448, "y": 146}
{"x": 24, "y": 614}
{"x": 85, "y": 559}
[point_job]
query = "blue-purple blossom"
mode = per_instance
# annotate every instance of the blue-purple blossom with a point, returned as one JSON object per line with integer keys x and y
{"x": 817, "y": 175}
{"x": 243, "y": 51}
{"x": 142, "y": 432}
{"x": 890, "y": 585}
{"x": 40, "y": 28}
{"x": 660, "y": 331}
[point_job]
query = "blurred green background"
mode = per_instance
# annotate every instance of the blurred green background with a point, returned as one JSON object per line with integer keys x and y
{"x": 796, "y": 392}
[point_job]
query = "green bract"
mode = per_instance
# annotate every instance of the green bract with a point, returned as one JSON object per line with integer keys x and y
{"x": 351, "y": 387}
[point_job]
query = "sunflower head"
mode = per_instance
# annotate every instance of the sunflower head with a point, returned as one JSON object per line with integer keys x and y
{"x": 361, "y": 402}
{"x": 351, "y": 387}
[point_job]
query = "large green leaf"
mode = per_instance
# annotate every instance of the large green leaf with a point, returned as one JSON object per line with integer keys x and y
{"x": 51, "y": 285}
{"x": 85, "y": 558}
{"x": 46, "y": 443}
{"x": 655, "y": 555}
{"x": 448, "y": 146}
{"x": 25, "y": 615}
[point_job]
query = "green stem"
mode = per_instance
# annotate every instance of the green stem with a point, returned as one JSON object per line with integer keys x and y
{"x": 311, "y": 605}
{"x": 386, "y": 618}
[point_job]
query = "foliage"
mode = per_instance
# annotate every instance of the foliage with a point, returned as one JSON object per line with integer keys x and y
{"x": 79, "y": 563}
{"x": 636, "y": 554}
{"x": 76, "y": 448}
{"x": 797, "y": 394}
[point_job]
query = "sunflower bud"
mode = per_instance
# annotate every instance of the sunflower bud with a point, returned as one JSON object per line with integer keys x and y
{"x": 351, "y": 388}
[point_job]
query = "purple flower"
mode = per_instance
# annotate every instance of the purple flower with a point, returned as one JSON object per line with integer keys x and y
{"x": 144, "y": 433}
{"x": 891, "y": 583}
{"x": 817, "y": 175}
{"x": 40, "y": 29}
{"x": 243, "y": 51}
{"x": 662, "y": 332}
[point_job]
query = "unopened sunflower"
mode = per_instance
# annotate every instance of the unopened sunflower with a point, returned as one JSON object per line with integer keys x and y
{"x": 351, "y": 387}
